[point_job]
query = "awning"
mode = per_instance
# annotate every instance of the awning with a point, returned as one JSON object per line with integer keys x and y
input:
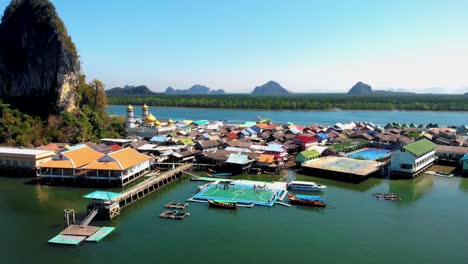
{"x": 101, "y": 195}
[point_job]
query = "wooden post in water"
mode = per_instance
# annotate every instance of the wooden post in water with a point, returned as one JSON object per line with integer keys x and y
{"x": 66, "y": 216}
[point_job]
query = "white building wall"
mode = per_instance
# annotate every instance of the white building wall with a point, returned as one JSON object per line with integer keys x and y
{"x": 400, "y": 157}
{"x": 137, "y": 168}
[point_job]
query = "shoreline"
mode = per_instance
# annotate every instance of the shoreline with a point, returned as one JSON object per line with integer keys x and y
{"x": 304, "y": 110}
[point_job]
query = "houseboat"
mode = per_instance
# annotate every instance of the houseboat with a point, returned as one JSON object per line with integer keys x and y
{"x": 305, "y": 186}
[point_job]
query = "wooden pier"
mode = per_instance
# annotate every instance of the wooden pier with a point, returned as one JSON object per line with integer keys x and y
{"x": 109, "y": 209}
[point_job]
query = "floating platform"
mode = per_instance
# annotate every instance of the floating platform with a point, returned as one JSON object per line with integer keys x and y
{"x": 344, "y": 169}
{"x": 67, "y": 240}
{"x": 173, "y": 214}
{"x": 76, "y": 230}
{"x": 74, "y": 234}
{"x": 100, "y": 234}
{"x": 198, "y": 178}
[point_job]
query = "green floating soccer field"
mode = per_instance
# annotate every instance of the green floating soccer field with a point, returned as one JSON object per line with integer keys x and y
{"x": 239, "y": 193}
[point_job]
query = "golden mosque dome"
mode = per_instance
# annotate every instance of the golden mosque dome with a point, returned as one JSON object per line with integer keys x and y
{"x": 130, "y": 108}
{"x": 170, "y": 121}
{"x": 157, "y": 123}
{"x": 145, "y": 107}
{"x": 150, "y": 118}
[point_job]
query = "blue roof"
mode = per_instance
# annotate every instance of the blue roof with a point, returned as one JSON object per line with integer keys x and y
{"x": 322, "y": 135}
{"x": 275, "y": 148}
{"x": 206, "y": 135}
{"x": 238, "y": 159}
{"x": 201, "y": 122}
{"x": 245, "y": 132}
{"x": 256, "y": 129}
{"x": 101, "y": 195}
{"x": 251, "y": 131}
{"x": 465, "y": 157}
{"x": 159, "y": 139}
{"x": 249, "y": 124}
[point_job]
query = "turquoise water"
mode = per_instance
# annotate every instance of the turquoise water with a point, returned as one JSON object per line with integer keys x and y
{"x": 369, "y": 153}
{"x": 301, "y": 117}
{"x": 427, "y": 226}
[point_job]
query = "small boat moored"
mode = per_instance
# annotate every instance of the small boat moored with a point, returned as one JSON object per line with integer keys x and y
{"x": 219, "y": 175}
{"x": 315, "y": 201}
{"x": 173, "y": 205}
{"x": 223, "y": 204}
{"x": 305, "y": 186}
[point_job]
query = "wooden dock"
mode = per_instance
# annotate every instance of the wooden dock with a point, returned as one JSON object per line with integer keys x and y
{"x": 111, "y": 208}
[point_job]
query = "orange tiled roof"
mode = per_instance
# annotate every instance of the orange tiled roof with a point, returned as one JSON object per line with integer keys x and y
{"x": 119, "y": 160}
{"x": 266, "y": 158}
{"x": 261, "y": 125}
{"x": 74, "y": 158}
{"x": 50, "y": 146}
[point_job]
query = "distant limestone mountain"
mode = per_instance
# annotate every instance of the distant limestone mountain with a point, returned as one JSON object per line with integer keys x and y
{"x": 129, "y": 90}
{"x": 196, "y": 89}
{"x": 270, "y": 87}
{"x": 360, "y": 88}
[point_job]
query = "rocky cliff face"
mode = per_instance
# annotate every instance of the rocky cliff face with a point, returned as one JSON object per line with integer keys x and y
{"x": 269, "y": 88}
{"x": 195, "y": 89}
{"x": 39, "y": 64}
{"x": 360, "y": 88}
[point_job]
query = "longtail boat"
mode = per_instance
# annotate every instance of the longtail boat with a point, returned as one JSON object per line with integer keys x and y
{"x": 219, "y": 175}
{"x": 223, "y": 204}
{"x": 315, "y": 203}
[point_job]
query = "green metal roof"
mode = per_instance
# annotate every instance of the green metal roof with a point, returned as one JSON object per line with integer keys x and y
{"x": 309, "y": 153}
{"x": 101, "y": 195}
{"x": 186, "y": 141}
{"x": 420, "y": 147}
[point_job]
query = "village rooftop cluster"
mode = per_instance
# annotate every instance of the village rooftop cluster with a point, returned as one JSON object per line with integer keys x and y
{"x": 349, "y": 152}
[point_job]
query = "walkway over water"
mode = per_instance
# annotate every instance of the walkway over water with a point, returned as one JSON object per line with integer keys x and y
{"x": 110, "y": 208}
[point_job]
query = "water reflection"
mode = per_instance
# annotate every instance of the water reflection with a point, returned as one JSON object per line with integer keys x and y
{"x": 463, "y": 184}
{"x": 411, "y": 190}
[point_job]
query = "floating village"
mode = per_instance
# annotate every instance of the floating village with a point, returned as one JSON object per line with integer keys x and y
{"x": 156, "y": 152}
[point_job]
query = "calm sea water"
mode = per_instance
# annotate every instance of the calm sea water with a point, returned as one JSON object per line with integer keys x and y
{"x": 302, "y": 117}
{"x": 427, "y": 226}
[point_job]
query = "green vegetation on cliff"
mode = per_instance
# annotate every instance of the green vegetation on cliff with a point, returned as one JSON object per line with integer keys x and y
{"x": 433, "y": 102}
{"x": 89, "y": 122}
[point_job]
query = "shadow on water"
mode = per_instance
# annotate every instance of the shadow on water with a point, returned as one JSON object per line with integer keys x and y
{"x": 224, "y": 211}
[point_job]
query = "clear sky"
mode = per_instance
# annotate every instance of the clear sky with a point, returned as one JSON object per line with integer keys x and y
{"x": 305, "y": 45}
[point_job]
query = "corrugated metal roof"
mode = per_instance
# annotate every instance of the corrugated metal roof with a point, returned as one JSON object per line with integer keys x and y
{"x": 420, "y": 147}
{"x": 238, "y": 159}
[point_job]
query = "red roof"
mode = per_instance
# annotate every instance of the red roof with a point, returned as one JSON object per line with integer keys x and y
{"x": 115, "y": 147}
{"x": 232, "y": 135}
{"x": 305, "y": 139}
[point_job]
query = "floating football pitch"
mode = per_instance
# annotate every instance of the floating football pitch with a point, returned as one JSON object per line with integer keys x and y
{"x": 240, "y": 193}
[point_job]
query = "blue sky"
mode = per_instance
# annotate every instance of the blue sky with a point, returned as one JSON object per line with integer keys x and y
{"x": 306, "y": 46}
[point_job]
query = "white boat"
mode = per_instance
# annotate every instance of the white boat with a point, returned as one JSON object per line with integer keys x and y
{"x": 305, "y": 186}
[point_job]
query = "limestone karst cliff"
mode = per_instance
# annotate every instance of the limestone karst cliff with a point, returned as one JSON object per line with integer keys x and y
{"x": 39, "y": 66}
